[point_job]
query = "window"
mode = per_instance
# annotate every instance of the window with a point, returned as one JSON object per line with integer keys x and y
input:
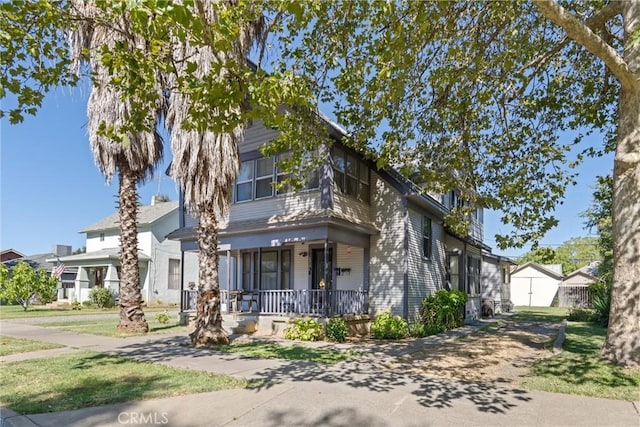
{"x": 264, "y": 177}
{"x": 102, "y": 237}
{"x": 350, "y": 175}
{"x": 505, "y": 275}
{"x": 270, "y": 270}
{"x": 174, "y": 274}
{"x": 244, "y": 184}
{"x": 473, "y": 275}
{"x": 427, "y": 237}
{"x": 256, "y": 178}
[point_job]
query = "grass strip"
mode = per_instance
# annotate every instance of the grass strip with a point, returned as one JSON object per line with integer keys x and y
{"x": 87, "y": 379}
{"x": 17, "y": 312}
{"x": 269, "y": 350}
{"x": 107, "y": 327}
{"x": 10, "y": 345}
{"x": 579, "y": 369}
{"x": 540, "y": 314}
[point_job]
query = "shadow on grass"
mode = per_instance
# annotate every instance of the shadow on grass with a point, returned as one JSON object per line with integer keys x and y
{"x": 540, "y": 314}
{"x": 268, "y": 350}
{"x": 92, "y": 379}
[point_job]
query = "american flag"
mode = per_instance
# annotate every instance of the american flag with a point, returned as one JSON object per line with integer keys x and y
{"x": 57, "y": 272}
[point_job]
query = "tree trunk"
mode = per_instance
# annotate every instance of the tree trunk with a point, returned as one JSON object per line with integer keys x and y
{"x": 208, "y": 324}
{"x": 132, "y": 319}
{"x": 622, "y": 345}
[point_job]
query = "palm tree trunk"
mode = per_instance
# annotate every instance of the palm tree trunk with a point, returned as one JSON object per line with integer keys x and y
{"x": 208, "y": 324}
{"x": 132, "y": 319}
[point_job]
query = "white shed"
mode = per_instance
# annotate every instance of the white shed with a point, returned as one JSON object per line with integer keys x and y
{"x": 535, "y": 285}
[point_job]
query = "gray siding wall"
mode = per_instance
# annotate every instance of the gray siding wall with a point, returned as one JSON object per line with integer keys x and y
{"x": 491, "y": 281}
{"x": 256, "y": 136}
{"x": 387, "y": 249}
{"x": 425, "y": 275}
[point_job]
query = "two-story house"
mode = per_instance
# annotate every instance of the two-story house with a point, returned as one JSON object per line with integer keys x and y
{"x": 160, "y": 260}
{"x": 355, "y": 240}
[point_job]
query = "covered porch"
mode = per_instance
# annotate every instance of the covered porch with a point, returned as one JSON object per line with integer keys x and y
{"x": 296, "y": 269}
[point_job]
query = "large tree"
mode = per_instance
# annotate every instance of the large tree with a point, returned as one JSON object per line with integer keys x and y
{"x": 476, "y": 96}
{"x": 468, "y": 95}
{"x": 130, "y": 151}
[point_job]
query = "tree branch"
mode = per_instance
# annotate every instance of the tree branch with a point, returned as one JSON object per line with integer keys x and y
{"x": 583, "y": 35}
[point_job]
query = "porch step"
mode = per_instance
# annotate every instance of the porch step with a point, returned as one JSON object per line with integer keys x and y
{"x": 239, "y": 324}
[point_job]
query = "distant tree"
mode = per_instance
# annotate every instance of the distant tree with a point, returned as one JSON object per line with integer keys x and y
{"x": 540, "y": 255}
{"x": 22, "y": 283}
{"x": 81, "y": 250}
{"x": 575, "y": 253}
{"x": 598, "y": 216}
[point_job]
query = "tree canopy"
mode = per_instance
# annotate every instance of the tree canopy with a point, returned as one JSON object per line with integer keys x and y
{"x": 463, "y": 95}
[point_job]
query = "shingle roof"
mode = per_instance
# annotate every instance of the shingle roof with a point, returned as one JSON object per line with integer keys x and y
{"x": 146, "y": 215}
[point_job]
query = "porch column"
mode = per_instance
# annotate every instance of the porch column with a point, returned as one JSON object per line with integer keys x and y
{"x": 325, "y": 277}
{"x": 111, "y": 280}
{"x": 82, "y": 282}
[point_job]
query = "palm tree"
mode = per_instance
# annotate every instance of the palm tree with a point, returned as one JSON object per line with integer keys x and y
{"x": 205, "y": 163}
{"x": 132, "y": 155}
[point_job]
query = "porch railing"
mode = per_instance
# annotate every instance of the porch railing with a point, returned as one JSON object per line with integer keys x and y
{"x": 306, "y": 302}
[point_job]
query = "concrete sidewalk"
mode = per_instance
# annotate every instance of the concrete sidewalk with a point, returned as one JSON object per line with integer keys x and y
{"x": 352, "y": 393}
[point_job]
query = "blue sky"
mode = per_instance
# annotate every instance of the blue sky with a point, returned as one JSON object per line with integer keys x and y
{"x": 51, "y": 189}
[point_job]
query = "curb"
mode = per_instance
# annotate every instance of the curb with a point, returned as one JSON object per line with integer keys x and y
{"x": 9, "y": 418}
{"x": 557, "y": 344}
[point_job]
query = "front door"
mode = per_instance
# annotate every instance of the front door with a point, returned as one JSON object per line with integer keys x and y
{"x": 317, "y": 268}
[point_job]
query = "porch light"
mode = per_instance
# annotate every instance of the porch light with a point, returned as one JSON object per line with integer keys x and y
{"x": 303, "y": 254}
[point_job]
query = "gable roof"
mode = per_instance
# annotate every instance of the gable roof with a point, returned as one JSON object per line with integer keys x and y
{"x": 545, "y": 269}
{"x": 590, "y": 271}
{"x": 147, "y": 214}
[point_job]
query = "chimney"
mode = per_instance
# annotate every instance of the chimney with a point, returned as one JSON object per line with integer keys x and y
{"x": 61, "y": 250}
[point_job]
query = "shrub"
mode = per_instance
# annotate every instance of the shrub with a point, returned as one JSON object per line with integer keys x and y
{"x": 601, "y": 301}
{"x": 443, "y": 310}
{"x": 337, "y": 329}
{"x": 163, "y": 317}
{"x": 578, "y": 314}
{"x": 88, "y": 303}
{"x": 417, "y": 330}
{"x": 76, "y": 305}
{"x": 101, "y": 297}
{"x": 386, "y": 326}
{"x": 305, "y": 329}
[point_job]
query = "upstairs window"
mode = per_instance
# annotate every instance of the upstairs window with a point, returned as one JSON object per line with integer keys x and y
{"x": 256, "y": 178}
{"x": 350, "y": 174}
{"x": 427, "y": 237}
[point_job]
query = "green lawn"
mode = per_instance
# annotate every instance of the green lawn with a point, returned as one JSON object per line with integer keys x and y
{"x": 107, "y": 327}
{"x": 579, "y": 370}
{"x": 267, "y": 350}
{"x": 17, "y": 312}
{"x": 87, "y": 379}
{"x": 540, "y": 314}
{"x": 10, "y": 345}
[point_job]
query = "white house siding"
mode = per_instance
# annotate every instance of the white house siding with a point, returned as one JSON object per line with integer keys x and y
{"x": 532, "y": 287}
{"x": 111, "y": 240}
{"x": 350, "y": 257}
{"x": 256, "y": 136}
{"x": 387, "y": 249}
{"x": 425, "y": 275}
{"x": 301, "y": 266}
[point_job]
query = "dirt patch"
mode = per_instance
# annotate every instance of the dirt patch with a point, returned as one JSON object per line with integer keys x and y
{"x": 501, "y": 353}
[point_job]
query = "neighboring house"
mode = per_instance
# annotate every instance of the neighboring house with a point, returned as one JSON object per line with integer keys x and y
{"x": 160, "y": 260}
{"x": 356, "y": 240}
{"x": 534, "y": 284}
{"x": 48, "y": 262}
{"x": 9, "y": 254}
{"x": 574, "y": 289}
